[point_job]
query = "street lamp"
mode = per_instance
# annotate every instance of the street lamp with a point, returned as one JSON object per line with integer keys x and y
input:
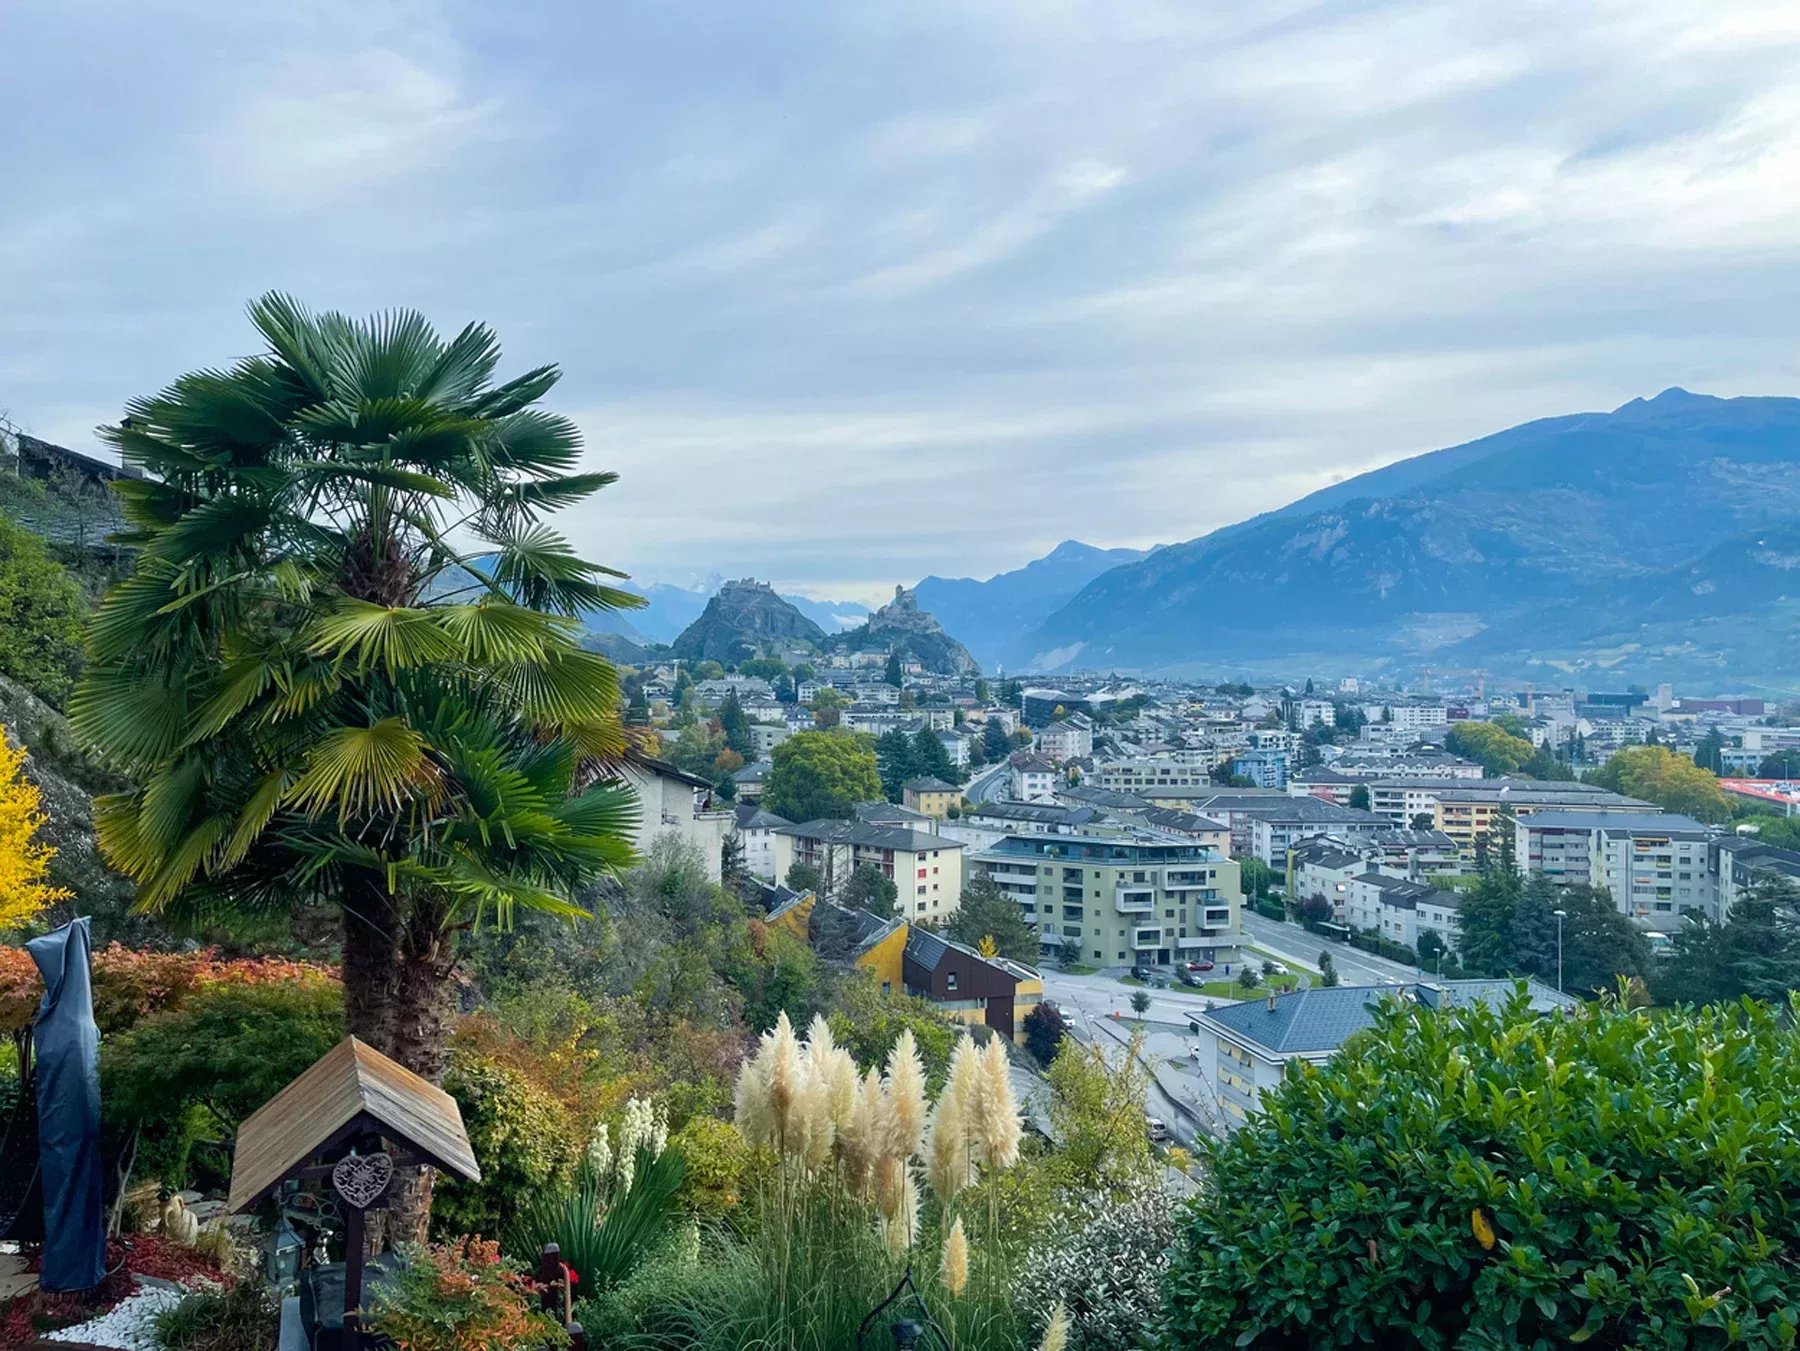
{"x": 1560, "y": 916}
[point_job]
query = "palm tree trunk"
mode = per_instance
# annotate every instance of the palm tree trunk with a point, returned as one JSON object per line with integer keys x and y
{"x": 400, "y": 998}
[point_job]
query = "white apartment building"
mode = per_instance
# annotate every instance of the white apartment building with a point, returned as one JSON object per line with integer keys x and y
{"x": 1398, "y": 909}
{"x": 671, "y": 801}
{"x": 1070, "y": 738}
{"x": 1033, "y": 777}
{"x": 926, "y": 869}
{"x": 755, "y": 830}
{"x": 1142, "y": 776}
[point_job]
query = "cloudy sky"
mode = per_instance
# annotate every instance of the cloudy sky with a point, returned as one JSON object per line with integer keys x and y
{"x": 851, "y": 291}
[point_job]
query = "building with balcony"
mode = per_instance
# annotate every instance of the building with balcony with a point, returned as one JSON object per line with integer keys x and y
{"x": 673, "y": 802}
{"x": 1470, "y": 813}
{"x": 1398, "y": 909}
{"x": 1124, "y": 898}
{"x": 926, "y": 869}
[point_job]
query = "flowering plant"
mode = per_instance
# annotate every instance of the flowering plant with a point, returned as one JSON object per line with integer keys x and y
{"x": 463, "y": 1296}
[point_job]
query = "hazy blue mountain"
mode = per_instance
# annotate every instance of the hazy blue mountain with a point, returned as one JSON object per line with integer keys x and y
{"x": 994, "y": 615}
{"x": 1567, "y": 536}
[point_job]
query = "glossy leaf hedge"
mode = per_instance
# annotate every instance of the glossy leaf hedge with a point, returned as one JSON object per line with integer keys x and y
{"x": 1489, "y": 1177}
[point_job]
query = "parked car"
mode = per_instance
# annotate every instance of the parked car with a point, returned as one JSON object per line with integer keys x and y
{"x": 1199, "y": 966}
{"x": 1158, "y": 1131}
{"x": 1142, "y": 973}
{"x": 1187, "y": 977}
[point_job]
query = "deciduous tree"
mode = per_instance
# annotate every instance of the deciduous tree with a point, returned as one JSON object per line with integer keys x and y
{"x": 820, "y": 774}
{"x": 24, "y": 859}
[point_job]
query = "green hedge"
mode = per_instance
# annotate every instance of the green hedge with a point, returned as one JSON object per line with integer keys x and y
{"x": 1272, "y": 909}
{"x": 1490, "y": 1177}
{"x": 1384, "y": 947}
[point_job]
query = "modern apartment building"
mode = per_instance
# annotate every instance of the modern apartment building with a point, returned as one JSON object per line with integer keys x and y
{"x": 1469, "y": 813}
{"x": 1070, "y": 738}
{"x": 1398, "y": 909}
{"x": 927, "y": 870}
{"x": 1145, "y": 776}
{"x": 1125, "y": 898}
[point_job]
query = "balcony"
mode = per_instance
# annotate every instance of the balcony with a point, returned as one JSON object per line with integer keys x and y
{"x": 1146, "y": 938}
{"x": 1134, "y": 898}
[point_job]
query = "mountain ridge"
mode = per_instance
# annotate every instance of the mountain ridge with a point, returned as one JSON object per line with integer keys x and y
{"x": 1412, "y": 562}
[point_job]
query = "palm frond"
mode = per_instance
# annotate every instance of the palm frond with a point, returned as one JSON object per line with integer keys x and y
{"x": 128, "y": 720}
{"x": 169, "y": 799}
{"x": 518, "y": 393}
{"x": 259, "y": 809}
{"x": 360, "y": 770}
{"x": 242, "y": 684}
{"x": 565, "y": 688}
{"x": 367, "y": 635}
{"x": 391, "y": 356}
{"x": 467, "y": 364}
{"x": 295, "y": 337}
{"x": 135, "y": 618}
{"x": 182, "y": 863}
{"x": 535, "y": 442}
{"x": 493, "y": 632}
{"x": 553, "y": 494}
{"x": 122, "y": 843}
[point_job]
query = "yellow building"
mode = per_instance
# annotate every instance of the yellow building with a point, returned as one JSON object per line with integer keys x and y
{"x": 875, "y": 945}
{"x": 931, "y": 796}
{"x": 1472, "y": 811}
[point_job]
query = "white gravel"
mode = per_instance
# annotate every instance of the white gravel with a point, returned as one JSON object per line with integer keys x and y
{"x": 129, "y": 1325}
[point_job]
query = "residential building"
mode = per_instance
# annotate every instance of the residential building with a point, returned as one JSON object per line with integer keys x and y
{"x": 1324, "y": 867}
{"x": 671, "y": 801}
{"x": 1070, "y": 738}
{"x": 880, "y": 812}
{"x": 1397, "y": 909}
{"x": 1287, "y": 819}
{"x": 750, "y": 781}
{"x": 1146, "y": 777}
{"x": 994, "y": 992}
{"x": 768, "y": 736}
{"x": 1404, "y": 800}
{"x": 1327, "y": 784}
{"x": 1656, "y": 869}
{"x": 985, "y": 823}
{"x": 931, "y": 796}
{"x": 755, "y": 830}
{"x": 1304, "y": 710}
{"x": 1469, "y": 813}
{"x": 1407, "y": 716}
{"x": 1033, "y": 777}
{"x": 842, "y": 933}
{"x": 1264, "y": 769}
{"x": 1737, "y": 861}
{"x": 1124, "y": 898}
{"x": 1248, "y": 1048}
{"x": 956, "y": 747}
{"x": 926, "y": 869}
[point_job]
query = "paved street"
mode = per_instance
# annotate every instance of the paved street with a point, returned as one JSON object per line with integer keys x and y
{"x": 1294, "y": 944}
{"x": 989, "y": 786}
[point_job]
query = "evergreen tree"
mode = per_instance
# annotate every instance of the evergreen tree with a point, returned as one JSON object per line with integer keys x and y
{"x": 894, "y": 676}
{"x": 871, "y": 889}
{"x": 736, "y": 727}
{"x": 930, "y": 757}
{"x": 988, "y": 912}
{"x": 896, "y": 761}
{"x": 994, "y": 741}
{"x": 1756, "y": 952}
{"x": 1709, "y": 754}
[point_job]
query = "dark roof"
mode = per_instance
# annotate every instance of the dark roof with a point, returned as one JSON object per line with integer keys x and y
{"x": 1047, "y": 813}
{"x": 1412, "y": 839}
{"x": 664, "y": 769}
{"x": 1104, "y": 797}
{"x": 755, "y": 772}
{"x": 929, "y": 950}
{"x": 927, "y": 783}
{"x": 1319, "y": 1020}
{"x": 1405, "y": 894}
{"x": 1030, "y": 760}
{"x": 870, "y": 835}
{"x": 1311, "y": 810}
{"x": 1325, "y": 852}
{"x": 1172, "y": 818}
{"x": 1663, "y": 823}
{"x": 866, "y": 927}
{"x": 750, "y": 816}
{"x": 881, "y": 812}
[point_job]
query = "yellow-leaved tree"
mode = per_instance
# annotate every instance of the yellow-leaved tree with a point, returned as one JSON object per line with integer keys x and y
{"x": 24, "y": 859}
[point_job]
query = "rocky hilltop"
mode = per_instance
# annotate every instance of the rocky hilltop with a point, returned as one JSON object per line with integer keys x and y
{"x": 743, "y": 619}
{"x": 902, "y": 627}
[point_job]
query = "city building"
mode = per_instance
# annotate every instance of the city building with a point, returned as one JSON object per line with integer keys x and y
{"x": 1286, "y": 819}
{"x": 926, "y": 869}
{"x": 673, "y": 802}
{"x": 1780, "y": 795}
{"x": 1264, "y": 769}
{"x": 1146, "y": 777}
{"x": 1247, "y": 1048}
{"x": 1469, "y": 813}
{"x": 755, "y": 830}
{"x": 930, "y": 796}
{"x": 1033, "y": 777}
{"x": 1125, "y": 898}
{"x": 1070, "y": 738}
{"x": 1398, "y": 909}
{"x": 981, "y": 991}
{"x": 1735, "y": 862}
{"x": 1656, "y": 870}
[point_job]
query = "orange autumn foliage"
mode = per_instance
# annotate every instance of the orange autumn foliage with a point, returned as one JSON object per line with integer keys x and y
{"x": 129, "y": 983}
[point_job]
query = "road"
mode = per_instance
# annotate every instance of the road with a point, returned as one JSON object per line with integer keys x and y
{"x": 1294, "y": 944}
{"x": 989, "y": 786}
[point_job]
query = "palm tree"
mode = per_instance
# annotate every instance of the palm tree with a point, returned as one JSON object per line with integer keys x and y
{"x": 346, "y": 672}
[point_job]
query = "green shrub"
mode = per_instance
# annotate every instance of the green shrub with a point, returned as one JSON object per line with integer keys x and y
{"x": 1383, "y": 947}
{"x": 243, "y": 1318}
{"x": 524, "y": 1139}
{"x": 1486, "y": 1177}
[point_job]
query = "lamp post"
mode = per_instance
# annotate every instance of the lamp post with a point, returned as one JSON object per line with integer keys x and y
{"x": 1560, "y": 916}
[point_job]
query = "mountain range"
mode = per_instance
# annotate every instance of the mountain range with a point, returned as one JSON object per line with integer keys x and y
{"x": 1658, "y": 541}
{"x": 994, "y": 616}
{"x": 671, "y": 607}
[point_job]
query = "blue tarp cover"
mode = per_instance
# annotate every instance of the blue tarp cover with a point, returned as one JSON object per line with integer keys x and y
{"x": 68, "y": 1091}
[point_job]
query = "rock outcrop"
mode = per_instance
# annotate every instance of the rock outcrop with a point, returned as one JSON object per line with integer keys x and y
{"x": 744, "y": 619}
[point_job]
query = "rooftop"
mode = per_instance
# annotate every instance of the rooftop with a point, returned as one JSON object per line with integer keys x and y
{"x": 927, "y": 783}
{"x": 869, "y": 835}
{"x": 1319, "y": 1020}
{"x": 1634, "y": 822}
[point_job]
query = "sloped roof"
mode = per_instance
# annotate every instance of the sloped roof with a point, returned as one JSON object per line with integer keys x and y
{"x": 352, "y": 1079}
{"x": 1318, "y": 1020}
{"x": 928, "y": 783}
{"x": 751, "y": 816}
{"x": 869, "y": 834}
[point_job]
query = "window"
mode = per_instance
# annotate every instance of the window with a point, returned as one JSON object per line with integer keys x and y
{"x": 887, "y": 987}
{"x": 950, "y": 980}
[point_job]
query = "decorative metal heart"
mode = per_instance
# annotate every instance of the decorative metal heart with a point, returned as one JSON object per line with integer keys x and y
{"x": 361, "y": 1178}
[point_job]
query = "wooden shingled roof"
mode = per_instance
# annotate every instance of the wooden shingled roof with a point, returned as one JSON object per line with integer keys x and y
{"x": 352, "y": 1087}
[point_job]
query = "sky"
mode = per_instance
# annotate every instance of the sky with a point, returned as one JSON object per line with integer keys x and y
{"x": 849, "y": 293}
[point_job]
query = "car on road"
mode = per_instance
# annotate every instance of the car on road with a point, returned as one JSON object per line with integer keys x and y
{"x": 1142, "y": 973}
{"x": 1199, "y": 966}
{"x": 1157, "y": 1130}
{"x": 1187, "y": 977}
